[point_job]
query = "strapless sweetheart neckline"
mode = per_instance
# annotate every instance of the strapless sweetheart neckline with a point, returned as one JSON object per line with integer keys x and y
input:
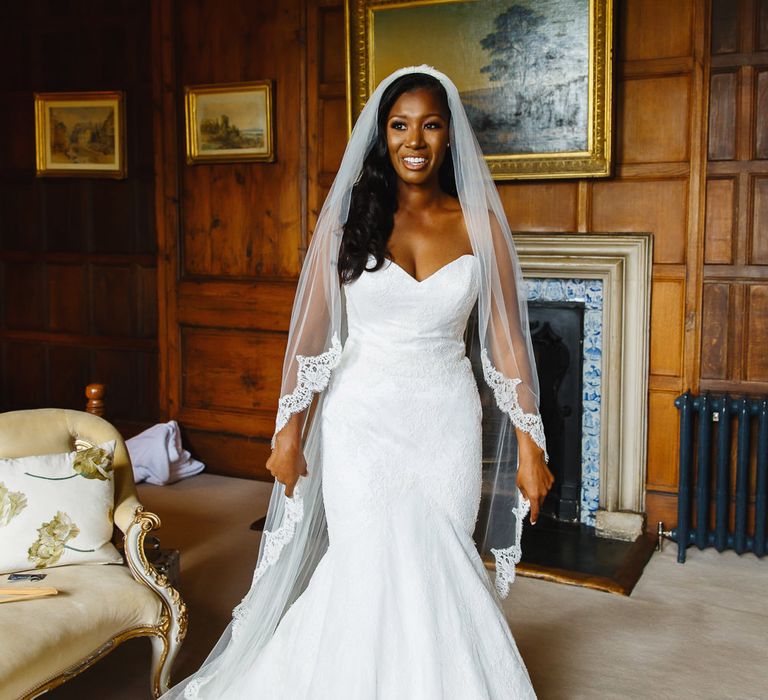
{"x": 430, "y": 276}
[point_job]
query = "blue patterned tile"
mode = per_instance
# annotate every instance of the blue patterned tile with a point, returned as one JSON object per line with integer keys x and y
{"x": 590, "y": 292}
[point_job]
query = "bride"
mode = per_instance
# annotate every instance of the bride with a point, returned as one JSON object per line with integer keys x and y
{"x": 369, "y": 584}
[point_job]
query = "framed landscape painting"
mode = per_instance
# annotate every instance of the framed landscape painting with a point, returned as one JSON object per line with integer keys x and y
{"x": 229, "y": 122}
{"x": 80, "y": 134}
{"x": 534, "y": 75}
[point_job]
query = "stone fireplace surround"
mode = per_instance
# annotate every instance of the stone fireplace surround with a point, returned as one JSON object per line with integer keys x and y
{"x": 623, "y": 262}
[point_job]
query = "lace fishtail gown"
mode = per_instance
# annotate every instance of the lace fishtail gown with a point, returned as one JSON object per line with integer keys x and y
{"x": 400, "y": 606}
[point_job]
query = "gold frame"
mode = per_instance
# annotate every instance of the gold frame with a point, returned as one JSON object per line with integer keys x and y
{"x": 193, "y": 153}
{"x": 596, "y": 161}
{"x": 43, "y": 101}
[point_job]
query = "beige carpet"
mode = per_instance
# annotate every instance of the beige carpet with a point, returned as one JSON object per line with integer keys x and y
{"x": 697, "y": 631}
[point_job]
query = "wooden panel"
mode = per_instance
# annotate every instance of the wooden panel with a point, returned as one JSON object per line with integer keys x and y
{"x": 760, "y": 110}
{"x": 231, "y": 370}
{"x": 667, "y": 311}
{"x": 67, "y": 298}
{"x": 762, "y": 25}
{"x": 66, "y": 208}
{"x": 264, "y": 305}
{"x": 655, "y": 206}
{"x": 540, "y": 207}
{"x": 715, "y": 339}
{"x": 114, "y": 300}
{"x": 663, "y": 441}
{"x": 719, "y": 222}
{"x": 332, "y": 61}
{"x": 117, "y": 369}
{"x": 725, "y": 26}
{"x": 70, "y": 373}
{"x": 25, "y": 288}
{"x": 20, "y": 228}
{"x": 16, "y": 123}
{"x": 757, "y": 333}
{"x": 661, "y": 506}
{"x": 146, "y": 285}
{"x": 655, "y": 29}
{"x": 146, "y": 394}
{"x": 244, "y": 220}
{"x": 722, "y": 116}
{"x": 26, "y": 375}
{"x": 758, "y": 253}
{"x": 333, "y": 116}
{"x": 230, "y": 455}
{"x": 113, "y": 234}
{"x": 654, "y": 117}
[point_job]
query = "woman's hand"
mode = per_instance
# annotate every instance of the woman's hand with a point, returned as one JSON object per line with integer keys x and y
{"x": 287, "y": 463}
{"x": 533, "y": 476}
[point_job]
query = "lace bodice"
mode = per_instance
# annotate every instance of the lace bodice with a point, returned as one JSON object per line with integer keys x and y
{"x": 406, "y": 325}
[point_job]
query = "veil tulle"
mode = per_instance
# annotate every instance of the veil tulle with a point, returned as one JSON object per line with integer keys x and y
{"x": 295, "y": 534}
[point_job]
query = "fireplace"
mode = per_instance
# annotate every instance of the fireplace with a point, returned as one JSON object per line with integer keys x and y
{"x": 557, "y": 330}
{"x": 588, "y": 297}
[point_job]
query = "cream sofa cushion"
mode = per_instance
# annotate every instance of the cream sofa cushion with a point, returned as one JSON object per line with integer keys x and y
{"x": 57, "y": 509}
{"x": 51, "y": 634}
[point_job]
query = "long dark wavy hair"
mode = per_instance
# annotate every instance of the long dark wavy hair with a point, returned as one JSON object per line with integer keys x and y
{"x": 374, "y": 196}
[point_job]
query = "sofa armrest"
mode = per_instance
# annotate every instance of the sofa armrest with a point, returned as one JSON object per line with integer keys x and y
{"x": 125, "y": 513}
{"x": 174, "y": 618}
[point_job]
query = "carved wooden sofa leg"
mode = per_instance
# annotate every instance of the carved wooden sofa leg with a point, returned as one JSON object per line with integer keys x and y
{"x": 173, "y": 625}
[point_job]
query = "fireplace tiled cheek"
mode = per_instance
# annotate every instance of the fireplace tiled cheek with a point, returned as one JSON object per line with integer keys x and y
{"x": 590, "y": 293}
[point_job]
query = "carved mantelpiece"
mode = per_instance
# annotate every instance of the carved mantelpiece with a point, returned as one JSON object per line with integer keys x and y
{"x": 623, "y": 263}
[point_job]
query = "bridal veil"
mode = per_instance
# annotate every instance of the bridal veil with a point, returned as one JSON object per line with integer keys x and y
{"x": 295, "y": 534}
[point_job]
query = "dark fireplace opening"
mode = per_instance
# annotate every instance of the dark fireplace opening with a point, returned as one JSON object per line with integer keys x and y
{"x": 557, "y": 332}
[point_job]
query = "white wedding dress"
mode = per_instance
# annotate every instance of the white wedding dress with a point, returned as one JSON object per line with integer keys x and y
{"x": 400, "y": 606}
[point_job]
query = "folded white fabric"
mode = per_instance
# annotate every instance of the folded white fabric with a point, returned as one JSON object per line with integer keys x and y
{"x": 158, "y": 457}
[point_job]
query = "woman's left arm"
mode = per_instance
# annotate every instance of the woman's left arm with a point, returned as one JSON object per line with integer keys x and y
{"x": 514, "y": 374}
{"x": 534, "y": 479}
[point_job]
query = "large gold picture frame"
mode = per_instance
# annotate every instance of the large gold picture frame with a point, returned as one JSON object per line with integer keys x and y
{"x": 229, "y": 122}
{"x": 80, "y": 134}
{"x": 534, "y": 75}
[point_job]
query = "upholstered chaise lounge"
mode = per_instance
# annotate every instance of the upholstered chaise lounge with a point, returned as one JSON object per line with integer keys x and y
{"x": 49, "y": 640}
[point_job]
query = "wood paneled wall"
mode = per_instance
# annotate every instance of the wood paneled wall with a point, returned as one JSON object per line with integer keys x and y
{"x": 230, "y": 235}
{"x": 658, "y": 186}
{"x": 78, "y": 299}
{"x": 735, "y": 269}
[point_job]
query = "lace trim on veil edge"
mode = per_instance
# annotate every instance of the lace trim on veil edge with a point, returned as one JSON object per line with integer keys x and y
{"x": 507, "y": 558}
{"x": 505, "y": 393}
{"x": 312, "y": 375}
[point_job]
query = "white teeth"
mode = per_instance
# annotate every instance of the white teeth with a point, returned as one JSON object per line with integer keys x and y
{"x": 413, "y": 160}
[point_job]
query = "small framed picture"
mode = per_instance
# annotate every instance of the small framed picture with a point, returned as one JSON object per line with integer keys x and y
{"x": 80, "y": 134}
{"x": 229, "y": 122}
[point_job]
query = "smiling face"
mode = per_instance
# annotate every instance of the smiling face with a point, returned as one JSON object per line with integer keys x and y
{"x": 417, "y": 136}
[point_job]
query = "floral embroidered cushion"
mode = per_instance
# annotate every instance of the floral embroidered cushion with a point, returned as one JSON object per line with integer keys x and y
{"x": 57, "y": 509}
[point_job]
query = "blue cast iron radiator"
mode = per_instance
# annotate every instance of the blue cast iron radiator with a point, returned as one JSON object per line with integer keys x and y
{"x": 698, "y": 459}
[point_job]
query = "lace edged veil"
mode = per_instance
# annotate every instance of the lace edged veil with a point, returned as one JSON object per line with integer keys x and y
{"x": 295, "y": 533}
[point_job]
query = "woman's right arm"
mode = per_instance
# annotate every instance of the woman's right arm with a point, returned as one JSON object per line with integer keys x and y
{"x": 287, "y": 463}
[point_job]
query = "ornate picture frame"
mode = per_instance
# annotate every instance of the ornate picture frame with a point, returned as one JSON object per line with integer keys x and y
{"x": 80, "y": 134}
{"x": 230, "y": 122}
{"x": 534, "y": 76}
